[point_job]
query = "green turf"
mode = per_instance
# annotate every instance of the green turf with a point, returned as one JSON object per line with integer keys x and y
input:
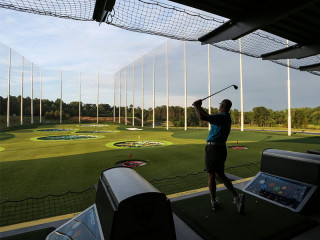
{"x": 261, "y": 220}
{"x": 34, "y": 167}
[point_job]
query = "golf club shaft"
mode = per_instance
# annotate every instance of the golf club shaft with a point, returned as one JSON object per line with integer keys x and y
{"x": 217, "y": 92}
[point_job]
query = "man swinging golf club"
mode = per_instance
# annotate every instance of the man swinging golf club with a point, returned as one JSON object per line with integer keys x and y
{"x": 216, "y": 151}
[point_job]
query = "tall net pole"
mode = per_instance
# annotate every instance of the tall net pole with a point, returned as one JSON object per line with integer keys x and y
{"x": 120, "y": 96}
{"x": 32, "y": 93}
{"x": 185, "y": 86}
{"x": 289, "y": 95}
{"x": 126, "y": 103}
{"x": 241, "y": 88}
{"x": 60, "y": 96}
{"x": 209, "y": 84}
{"x": 154, "y": 76}
{"x": 167, "y": 85}
{"x": 98, "y": 99}
{"x": 114, "y": 98}
{"x": 80, "y": 97}
{"x": 21, "y": 106}
{"x": 8, "y": 99}
{"x": 40, "y": 95}
{"x": 142, "y": 91}
{"x": 133, "y": 96}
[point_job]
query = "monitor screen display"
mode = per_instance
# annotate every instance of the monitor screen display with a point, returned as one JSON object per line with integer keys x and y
{"x": 85, "y": 226}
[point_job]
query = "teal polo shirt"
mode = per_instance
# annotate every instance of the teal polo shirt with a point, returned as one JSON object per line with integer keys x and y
{"x": 220, "y": 127}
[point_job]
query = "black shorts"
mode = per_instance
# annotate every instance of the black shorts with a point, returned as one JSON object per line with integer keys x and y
{"x": 215, "y": 158}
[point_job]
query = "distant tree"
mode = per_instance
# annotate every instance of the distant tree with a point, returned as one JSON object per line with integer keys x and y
{"x": 192, "y": 118}
{"x": 138, "y": 112}
{"x": 297, "y": 117}
{"x": 261, "y": 116}
{"x": 235, "y": 116}
{"x": 316, "y": 118}
{"x": 56, "y": 114}
{"x": 280, "y": 118}
{"x": 248, "y": 118}
{"x": 73, "y": 109}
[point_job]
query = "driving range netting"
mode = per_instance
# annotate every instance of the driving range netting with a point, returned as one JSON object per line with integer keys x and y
{"x": 16, "y": 209}
{"x": 152, "y": 17}
{"x": 191, "y": 181}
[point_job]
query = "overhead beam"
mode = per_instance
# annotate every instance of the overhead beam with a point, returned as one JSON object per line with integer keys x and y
{"x": 101, "y": 9}
{"x": 313, "y": 67}
{"x": 263, "y": 16}
{"x": 233, "y": 30}
{"x": 296, "y": 51}
{"x": 227, "y": 9}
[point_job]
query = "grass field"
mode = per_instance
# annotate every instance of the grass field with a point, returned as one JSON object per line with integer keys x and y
{"x": 29, "y": 167}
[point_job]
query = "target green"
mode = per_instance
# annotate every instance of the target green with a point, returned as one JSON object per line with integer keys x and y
{"x": 66, "y": 138}
{"x": 138, "y": 144}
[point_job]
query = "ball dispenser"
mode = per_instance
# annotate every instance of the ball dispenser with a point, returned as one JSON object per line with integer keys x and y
{"x": 129, "y": 207}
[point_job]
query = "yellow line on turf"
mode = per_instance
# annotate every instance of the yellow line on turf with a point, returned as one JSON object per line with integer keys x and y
{"x": 37, "y": 222}
{"x": 242, "y": 180}
{"x": 188, "y": 192}
{"x": 204, "y": 189}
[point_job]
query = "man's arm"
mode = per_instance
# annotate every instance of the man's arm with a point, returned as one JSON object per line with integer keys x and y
{"x": 203, "y": 115}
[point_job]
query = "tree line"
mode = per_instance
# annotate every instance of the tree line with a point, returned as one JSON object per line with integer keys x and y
{"x": 259, "y": 116}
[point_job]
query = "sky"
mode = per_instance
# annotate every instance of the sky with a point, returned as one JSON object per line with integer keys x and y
{"x": 56, "y": 44}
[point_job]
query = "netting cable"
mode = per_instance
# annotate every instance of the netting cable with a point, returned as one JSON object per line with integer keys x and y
{"x": 152, "y": 17}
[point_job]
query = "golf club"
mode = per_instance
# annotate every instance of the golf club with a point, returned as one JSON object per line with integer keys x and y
{"x": 235, "y": 87}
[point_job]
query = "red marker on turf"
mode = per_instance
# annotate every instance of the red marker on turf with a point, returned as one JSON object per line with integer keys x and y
{"x": 130, "y": 155}
{"x": 237, "y": 141}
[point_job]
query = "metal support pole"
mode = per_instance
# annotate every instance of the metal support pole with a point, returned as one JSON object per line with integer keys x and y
{"x": 32, "y": 93}
{"x": 142, "y": 90}
{"x": 98, "y": 100}
{"x": 154, "y": 76}
{"x": 126, "y": 103}
{"x": 185, "y": 87}
{"x": 289, "y": 95}
{"x": 133, "y": 97}
{"x": 241, "y": 88}
{"x": 21, "y": 109}
{"x": 40, "y": 95}
{"x": 167, "y": 86}
{"x": 8, "y": 99}
{"x": 80, "y": 97}
{"x": 120, "y": 96}
{"x": 61, "y": 97}
{"x": 114, "y": 98}
{"x": 209, "y": 85}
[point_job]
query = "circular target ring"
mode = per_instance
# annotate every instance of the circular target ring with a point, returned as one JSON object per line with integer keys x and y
{"x": 138, "y": 144}
{"x": 236, "y": 147}
{"x": 131, "y": 163}
{"x": 66, "y": 137}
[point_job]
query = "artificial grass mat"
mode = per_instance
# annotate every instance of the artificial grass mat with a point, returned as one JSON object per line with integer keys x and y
{"x": 261, "y": 220}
